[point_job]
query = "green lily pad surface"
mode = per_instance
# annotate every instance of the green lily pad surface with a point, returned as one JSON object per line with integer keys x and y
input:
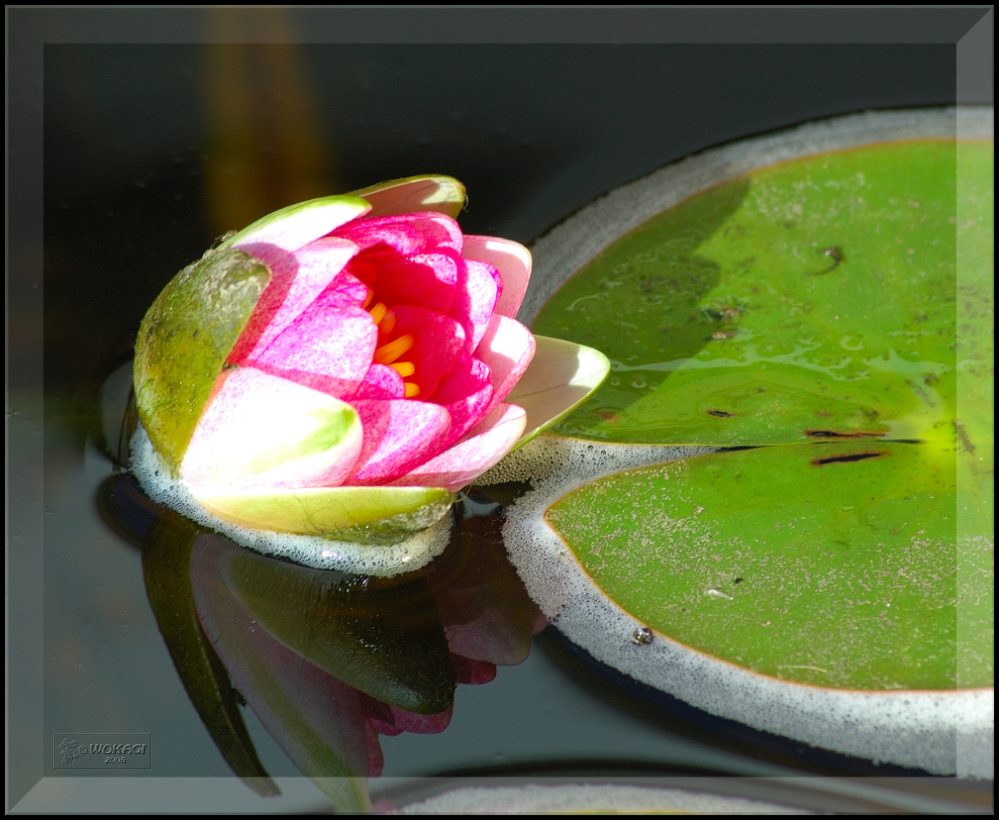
{"x": 830, "y": 564}
{"x": 814, "y": 301}
{"x": 819, "y": 304}
{"x": 809, "y": 300}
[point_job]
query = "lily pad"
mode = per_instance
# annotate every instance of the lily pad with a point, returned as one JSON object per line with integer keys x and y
{"x": 830, "y": 564}
{"x": 813, "y": 299}
{"x": 820, "y": 300}
{"x": 179, "y": 355}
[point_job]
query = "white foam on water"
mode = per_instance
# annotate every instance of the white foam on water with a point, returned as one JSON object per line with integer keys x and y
{"x": 556, "y": 459}
{"x": 312, "y": 551}
{"x": 573, "y": 799}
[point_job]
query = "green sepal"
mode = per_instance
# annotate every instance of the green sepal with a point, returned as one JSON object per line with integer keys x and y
{"x": 184, "y": 340}
{"x": 364, "y": 515}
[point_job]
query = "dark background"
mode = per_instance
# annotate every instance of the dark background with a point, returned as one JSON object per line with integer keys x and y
{"x": 153, "y": 150}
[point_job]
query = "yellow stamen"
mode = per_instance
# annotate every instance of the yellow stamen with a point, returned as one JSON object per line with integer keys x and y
{"x": 412, "y": 390}
{"x": 378, "y": 312}
{"x": 388, "y": 353}
{"x": 404, "y": 369}
{"x": 387, "y": 325}
{"x": 367, "y": 300}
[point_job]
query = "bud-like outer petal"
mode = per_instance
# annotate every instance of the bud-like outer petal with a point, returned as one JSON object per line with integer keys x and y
{"x": 431, "y": 192}
{"x": 295, "y": 226}
{"x": 560, "y": 378}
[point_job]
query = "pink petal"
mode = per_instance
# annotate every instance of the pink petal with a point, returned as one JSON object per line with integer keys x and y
{"x": 327, "y": 350}
{"x": 407, "y": 234}
{"x": 345, "y": 290}
{"x": 485, "y": 445}
{"x": 475, "y": 299}
{"x": 511, "y": 259}
{"x": 296, "y": 281}
{"x": 378, "y": 716}
{"x": 438, "y": 342}
{"x": 376, "y": 761}
{"x": 507, "y": 349}
{"x": 397, "y": 435}
{"x": 381, "y": 382}
{"x": 427, "y": 280}
{"x": 466, "y": 392}
{"x": 261, "y": 430}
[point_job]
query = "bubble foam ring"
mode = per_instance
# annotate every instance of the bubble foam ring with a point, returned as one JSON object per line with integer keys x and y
{"x": 576, "y": 798}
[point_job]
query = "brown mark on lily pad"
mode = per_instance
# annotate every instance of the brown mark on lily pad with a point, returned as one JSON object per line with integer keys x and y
{"x": 846, "y": 458}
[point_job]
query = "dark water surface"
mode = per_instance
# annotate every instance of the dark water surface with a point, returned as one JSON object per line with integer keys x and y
{"x": 153, "y": 150}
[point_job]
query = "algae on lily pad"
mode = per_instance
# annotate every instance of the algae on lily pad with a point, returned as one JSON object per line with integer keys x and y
{"x": 822, "y": 302}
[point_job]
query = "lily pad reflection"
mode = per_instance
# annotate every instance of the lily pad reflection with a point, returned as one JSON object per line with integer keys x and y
{"x": 327, "y": 661}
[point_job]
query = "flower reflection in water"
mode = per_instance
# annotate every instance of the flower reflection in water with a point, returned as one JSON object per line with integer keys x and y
{"x": 327, "y": 661}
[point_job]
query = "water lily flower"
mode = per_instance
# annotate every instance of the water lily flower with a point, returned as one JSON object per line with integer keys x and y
{"x": 344, "y": 365}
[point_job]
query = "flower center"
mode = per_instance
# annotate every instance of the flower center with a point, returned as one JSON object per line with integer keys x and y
{"x": 391, "y": 348}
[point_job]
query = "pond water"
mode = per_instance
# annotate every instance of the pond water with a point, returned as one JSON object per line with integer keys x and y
{"x": 555, "y": 715}
{"x": 152, "y": 151}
